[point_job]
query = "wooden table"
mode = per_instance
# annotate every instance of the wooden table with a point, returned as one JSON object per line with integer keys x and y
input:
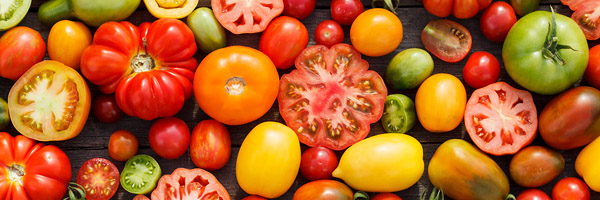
{"x": 93, "y": 140}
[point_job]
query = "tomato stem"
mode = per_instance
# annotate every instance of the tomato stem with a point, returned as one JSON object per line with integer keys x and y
{"x": 551, "y": 46}
{"x": 435, "y": 194}
{"x": 235, "y": 85}
{"x": 75, "y": 188}
{"x": 387, "y": 4}
{"x": 16, "y": 173}
{"x": 361, "y": 195}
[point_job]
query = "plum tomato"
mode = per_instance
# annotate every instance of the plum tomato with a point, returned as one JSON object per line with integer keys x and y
{"x": 592, "y": 72}
{"x": 122, "y": 145}
{"x": 20, "y": 48}
{"x": 283, "y": 40}
{"x": 447, "y": 40}
{"x": 298, "y": 9}
{"x": 318, "y": 163}
{"x": 100, "y": 179}
{"x": 535, "y": 166}
{"x": 210, "y": 147}
{"x": 440, "y": 103}
{"x": 328, "y": 33}
{"x": 570, "y": 188}
{"x": 408, "y": 69}
{"x": 169, "y": 137}
{"x": 140, "y": 174}
{"x": 386, "y": 196}
{"x": 345, "y": 11}
{"x": 106, "y": 109}
{"x": 399, "y": 115}
{"x": 533, "y": 194}
{"x": 376, "y": 32}
{"x": 482, "y": 69}
{"x": 497, "y": 20}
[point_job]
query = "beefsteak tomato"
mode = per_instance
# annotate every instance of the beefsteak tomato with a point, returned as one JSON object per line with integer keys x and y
{"x": 150, "y": 68}
{"x": 283, "y": 40}
{"x": 20, "y": 48}
{"x": 461, "y": 9}
{"x": 189, "y": 184}
{"x": 249, "y": 16}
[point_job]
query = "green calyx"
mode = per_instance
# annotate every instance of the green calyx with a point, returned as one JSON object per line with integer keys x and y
{"x": 75, "y": 192}
{"x": 551, "y": 46}
{"x": 387, "y": 4}
{"x": 435, "y": 194}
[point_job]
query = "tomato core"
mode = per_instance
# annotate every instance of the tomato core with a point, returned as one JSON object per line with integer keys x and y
{"x": 235, "y": 85}
{"x": 142, "y": 62}
{"x": 16, "y": 173}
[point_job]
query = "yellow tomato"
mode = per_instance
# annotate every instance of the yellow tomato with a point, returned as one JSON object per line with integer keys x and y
{"x": 587, "y": 164}
{"x": 440, "y": 102}
{"x": 66, "y": 42}
{"x": 171, "y": 8}
{"x": 383, "y": 163}
{"x": 376, "y": 32}
{"x": 268, "y": 160}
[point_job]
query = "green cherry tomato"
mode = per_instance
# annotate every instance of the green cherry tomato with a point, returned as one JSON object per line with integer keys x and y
{"x": 523, "y": 7}
{"x": 408, "y": 69}
{"x": 209, "y": 34}
{"x": 140, "y": 175}
{"x": 4, "y": 117}
{"x": 399, "y": 114}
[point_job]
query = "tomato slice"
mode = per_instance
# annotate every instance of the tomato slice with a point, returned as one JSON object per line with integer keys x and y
{"x": 140, "y": 174}
{"x": 501, "y": 119}
{"x": 99, "y": 177}
{"x": 190, "y": 184}
{"x": 447, "y": 40}
{"x": 332, "y": 97}
{"x": 249, "y": 16}
{"x": 587, "y": 16}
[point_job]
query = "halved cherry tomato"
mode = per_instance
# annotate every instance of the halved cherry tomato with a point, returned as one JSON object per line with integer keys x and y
{"x": 67, "y": 40}
{"x": 20, "y": 48}
{"x": 122, "y": 145}
{"x": 210, "y": 147}
{"x": 447, "y": 40}
{"x": 482, "y": 69}
{"x": 497, "y": 20}
{"x": 189, "y": 184}
{"x": 328, "y": 33}
{"x": 100, "y": 179}
{"x": 283, "y": 40}
{"x": 106, "y": 109}
{"x": 249, "y": 16}
{"x": 462, "y": 9}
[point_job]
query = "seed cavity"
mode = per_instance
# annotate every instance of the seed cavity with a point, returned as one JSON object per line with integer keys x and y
{"x": 295, "y": 91}
{"x": 459, "y": 34}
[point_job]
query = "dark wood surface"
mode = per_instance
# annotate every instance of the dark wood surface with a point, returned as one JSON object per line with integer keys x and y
{"x": 93, "y": 140}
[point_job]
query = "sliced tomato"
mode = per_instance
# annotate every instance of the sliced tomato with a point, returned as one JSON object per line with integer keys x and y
{"x": 99, "y": 177}
{"x": 249, "y": 16}
{"x": 332, "y": 97}
{"x": 587, "y": 16}
{"x": 501, "y": 119}
{"x": 189, "y": 184}
{"x": 447, "y": 40}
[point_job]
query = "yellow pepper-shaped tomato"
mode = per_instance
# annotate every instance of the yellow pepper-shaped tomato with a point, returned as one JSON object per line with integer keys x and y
{"x": 440, "y": 102}
{"x": 587, "y": 164}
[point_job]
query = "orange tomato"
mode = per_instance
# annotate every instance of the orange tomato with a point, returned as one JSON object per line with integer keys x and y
{"x": 376, "y": 32}
{"x": 440, "y": 102}
{"x": 66, "y": 42}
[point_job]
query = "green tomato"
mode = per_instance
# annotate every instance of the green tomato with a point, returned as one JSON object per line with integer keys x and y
{"x": 399, "y": 114}
{"x": 209, "y": 34}
{"x": 523, "y": 7}
{"x": 91, "y": 12}
{"x": 12, "y": 12}
{"x": 4, "y": 117}
{"x": 408, "y": 69}
{"x": 536, "y": 55}
{"x": 140, "y": 175}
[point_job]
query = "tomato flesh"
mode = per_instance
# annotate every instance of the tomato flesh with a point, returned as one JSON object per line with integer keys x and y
{"x": 190, "y": 184}
{"x": 140, "y": 174}
{"x": 587, "y": 16}
{"x": 447, "y": 40}
{"x": 99, "y": 177}
{"x": 249, "y": 16}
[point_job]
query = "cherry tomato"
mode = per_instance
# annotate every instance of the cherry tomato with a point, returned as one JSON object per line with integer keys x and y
{"x": 254, "y": 197}
{"x": 592, "y": 72}
{"x": 533, "y": 194}
{"x": 497, "y": 20}
{"x": 122, "y": 145}
{"x": 106, "y": 109}
{"x": 328, "y": 33}
{"x": 345, "y": 11}
{"x": 210, "y": 147}
{"x": 481, "y": 69}
{"x": 169, "y": 137}
{"x": 283, "y": 41}
{"x": 570, "y": 188}
{"x": 386, "y": 196}
{"x": 447, "y": 40}
{"x": 100, "y": 179}
{"x": 298, "y": 9}
{"x": 376, "y": 32}
{"x": 318, "y": 163}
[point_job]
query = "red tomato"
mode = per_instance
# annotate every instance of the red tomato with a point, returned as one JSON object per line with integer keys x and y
{"x": 481, "y": 69}
{"x": 283, "y": 41}
{"x": 20, "y": 48}
{"x": 501, "y": 119}
{"x": 140, "y": 197}
{"x": 100, "y": 179}
{"x": 332, "y": 97}
{"x": 447, "y": 40}
{"x": 169, "y": 137}
{"x": 149, "y": 68}
{"x": 298, "y": 9}
{"x": 189, "y": 184}
{"x": 254, "y": 197}
{"x": 30, "y": 170}
{"x": 318, "y": 163}
{"x": 249, "y": 16}
{"x": 386, "y": 196}
{"x": 592, "y": 72}
{"x": 497, "y": 20}
{"x": 570, "y": 188}
{"x": 461, "y": 9}
{"x": 328, "y": 33}
{"x": 323, "y": 189}
{"x": 533, "y": 194}
{"x": 211, "y": 145}
{"x": 106, "y": 109}
{"x": 122, "y": 145}
{"x": 345, "y": 11}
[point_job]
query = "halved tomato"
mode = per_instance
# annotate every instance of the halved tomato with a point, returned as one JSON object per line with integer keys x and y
{"x": 332, "y": 97}
{"x": 99, "y": 177}
{"x": 447, "y": 40}
{"x": 189, "y": 184}
{"x": 587, "y": 16}
{"x": 501, "y": 119}
{"x": 249, "y": 16}
{"x": 171, "y": 8}
{"x": 50, "y": 102}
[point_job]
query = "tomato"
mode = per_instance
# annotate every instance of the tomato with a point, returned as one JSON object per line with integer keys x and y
{"x": 250, "y": 80}
{"x": 398, "y": 114}
{"x": 100, "y": 179}
{"x": 268, "y": 160}
{"x": 386, "y": 196}
{"x": 571, "y": 119}
{"x": 66, "y": 42}
{"x": 209, "y": 34}
{"x": 532, "y": 58}
{"x": 254, "y": 197}
{"x": 440, "y": 103}
{"x": 535, "y": 166}
{"x": 323, "y": 190}
{"x": 4, "y": 116}
{"x": 189, "y": 184}
{"x": 31, "y": 170}
{"x": 140, "y": 197}
{"x": 592, "y": 71}
{"x": 250, "y": 16}
{"x": 533, "y": 194}
{"x": 338, "y": 112}
{"x": 481, "y": 69}
{"x": 298, "y": 9}
{"x": 122, "y": 145}
{"x": 169, "y": 137}
{"x": 461, "y": 9}
{"x": 587, "y": 165}
{"x": 497, "y": 20}
{"x": 570, "y": 188}
{"x": 408, "y": 69}
{"x": 140, "y": 174}
{"x": 50, "y": 102}
{"x": 345, "y": 11}
{"x": 13, "y": 12}
{"x": 457, "y": 165}
{"x": 501, "y": 119}
{"x": 283, "y": 41}
{"x": 170, "y": 9}
{"x": 93, "y": 13}
{"x": 20, "y": 48}
{"x": 447, "y": 40}
{"x": 395, "y": 162}
{"x": 523, "y": 7}
{"x": 149, "y": 68}
{"x": 586, "y": 16}
{"x": 328, "y": 33}
{"x": 210, "y": 147}
{"x": 318, "y": 163}
{"x": 376, "y": 32}
{"x": 106, "y": 109}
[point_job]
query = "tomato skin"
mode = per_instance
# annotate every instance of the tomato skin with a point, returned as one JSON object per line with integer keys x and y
{"x": 322, "y": 190}
{"x": 386, "y": 196}
{"x": 4, "y": 116}
{"x": 523, "y": 7}
{"x": 210, "y": 147}
{"x": 106, "y": 109}
{"x": 283, "y": 40}
{"x": 122, "y": 145}
{"x": 209, "y": 34}
{"x": 587, "y": 165}
{"x": 15, "y": 43}
{"x": 440, "y": 102}
{"x": 481, "y": 69}
{"x": 345, "y": 11}
{"x": 46, "y": 168}
{"x": 328, "y": 33}
{"x": 189, "y": 184}
{"x": 230, "y": 14}
{"x": 535, "y": 166}
{"x": 100, "y": 179}
{"x": 592, "y": 71}
{"x": 462, "y": 9}
{"x": 376, "y": 32}
{"x": 140, "y": 197}
{"x": 169, "y": 137}
{"x": 66, "y": 42}
{"x": 497, "y": 20}
{"x": 318, "y": 163}
{"x": 408, "y": 69}
{"x": 533, "y": 194}
{"x": 298, "y": 9}
{"x": 439, "y": 39}
{"x": 570, "y": 120}
{"x": 570, "y": 188}
{"x": 254, "y": 197}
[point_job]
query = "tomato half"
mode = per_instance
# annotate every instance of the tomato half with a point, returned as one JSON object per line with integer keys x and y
{"x": 462, "y": 9}
{"x": 249, "y": 16}
{"x": 170, "y": 9}
{"x": 497, "y": 20}
{"x": 31, "y": 170}
{"x": 100, "y": 179}
{"x": 150, "y": 68}
{"x": 482, "y": 69}
{"x": 20, "y": 48}
{"x": 210, "y": 147}
{"x": 376, "y": 32}
{"x": 283, "y": 40}
{"x": 50, "y": 102}
{"x": 447, "y": 40}
{"x": 592, "y": 71}
{"x": 501, "y": 119}
{"x": 332, "y": 97}
{"x": 189, "y": 184}
{"x": 169, "y": 137}
{"x": 140, "y": 174}
{"x": 122, "y": 145}
{"x": 587, "y": 16}
{"x": 570, "y": 188}
{"x": 440, "y": 103}
{"x": 66, "y": 42}
{"x": 323, "y": 189}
